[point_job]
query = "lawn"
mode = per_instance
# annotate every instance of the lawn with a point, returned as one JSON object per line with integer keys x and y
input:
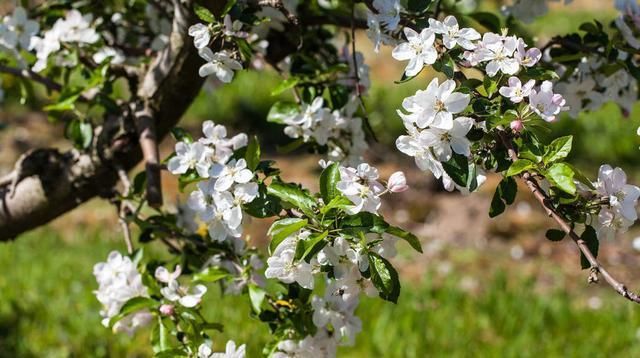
{"x": 48, "y": 310}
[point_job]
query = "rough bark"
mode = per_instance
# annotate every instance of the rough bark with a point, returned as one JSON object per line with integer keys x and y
{"x": 47, "y": 183}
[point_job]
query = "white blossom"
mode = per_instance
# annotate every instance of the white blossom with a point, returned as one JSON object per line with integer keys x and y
{"x": 435, "y": 106}
{"x": 228, "y": 174}
{"x": 452, "y": 35}
{"x": 444, "y": 142}
{"x": 498, "y": 50}
{"x": 114, "y": 56}
{"x": 201, "y": 35}
{"x": 623, "y": 197}
{"x": 418, "y": 50}
{"x": 22, "y": 29}
{"x": 191, "y": 156}
{"x": 220, "y": 63}
{"x": 118, "y": 282}
{"x": 417, "y": 146}
{"x": 231, "y": 351}
{"x": 527, "y": 57}
{"x": 361, "y": 187}
{"x": 174, "y": 292}
{"x": 283, "y": 266}
{"x": 546, "y": 103}
{"x": 516, "y": 91}
{"x": 339, "y": 314}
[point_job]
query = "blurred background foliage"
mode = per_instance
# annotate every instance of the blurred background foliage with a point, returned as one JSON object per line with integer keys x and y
{"x": 464, "y": 297}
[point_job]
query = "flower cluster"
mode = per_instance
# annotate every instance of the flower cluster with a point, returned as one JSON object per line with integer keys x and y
{"x": 228, "y": 185}
{"x": 222, "y": 64}
{"x": 339, "y": 130}
{"x": 542, "y": 101}
{"x": 619, "y": 212}
{"x": 343, "y": 264}
{"x": 529, "y": 10}
{"x": 119, "y": 281}
{"x": 17, "y": 32}
{"x": 384, "y": 22}
{"x": 361, "y": 186}
{"x": 231, "y": 351}
{"x": 433, "y": 132}
{"x": 174, "y": 292}
{"x": 75, "y": 28}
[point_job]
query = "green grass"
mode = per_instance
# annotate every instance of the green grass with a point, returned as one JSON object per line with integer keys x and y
{"x": 47, "y": 309}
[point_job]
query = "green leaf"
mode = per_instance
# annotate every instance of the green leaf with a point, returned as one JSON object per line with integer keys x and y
{"x": 339, "y": 202}
{"x": 458, "y": 169}
{"x": 227, "y": 8}
{"x": 558, "y": 149}
{"x": 264, "y": 205}
{"x": 418, "y": 6}
{"x": 519, "y": 166}
{"x": 285, "y": 85}
{"x": 365, "y": 221}
{"x": 159, "y": 337}
{"x": 561, "y": 176}
{"x": 384, "y": 277}
{"x": 313, "y": 245}
{"x": 581, "y": 177}
{"x": 555, "y": 234}
{"x": 203, "y": 13}
{"x": 488, "y": 20}
{"x": 294, "y": 195}
{"x": 181, "y": 135}
{"x": 256, "y": 295}
{"x": 80, "y": 133}
{"x": 504, "y": 195}
{"x": 328, "y": 180}
{"x": 283, "y": 228}
{"x": 252, "y": 154}
{"x": 133, "y": 305}
{"x": 406, "y": 236}
{"x": 65, "y": 103}
{"x": 590, "y": 238}
{"x": 211, "y": 274}
{"x": 281, "y": 111}
{"x": 490, "y": 86}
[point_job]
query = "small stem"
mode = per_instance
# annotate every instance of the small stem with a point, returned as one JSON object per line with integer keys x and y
{"x": 544, "y": 200}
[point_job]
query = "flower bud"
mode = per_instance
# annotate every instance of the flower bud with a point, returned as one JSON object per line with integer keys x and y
{"x": 397, "y": 183}
{"x": 517, "y": 126}
{"x": 166, "y": 310}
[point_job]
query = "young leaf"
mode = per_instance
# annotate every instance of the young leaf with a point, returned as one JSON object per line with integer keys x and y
{"x": 131, "y": 306}
{"x": 558, "y": 149}
{"x": 561, "y": 176}
{"x": 281, "y": 111}
{"x": 365, "y": 221}
{"x": 458, "y": 169}
{"x": 504, "y": 195}
{"x": 313, "y": 245}
{"x": 252, "y": 155}
{"x": 328, "y": 180}
{"x": 294, "y": 195}
{"x": 203, "y": 13}
{"x": 519, "y": 166}
{"x": 384, "y": 277}
{"x": 590, "y": 237}
{"x": 339, "y": 202}
{"x": 211, "y": 274}
{"x": 256, "y": 294}
{"x": 283, "y": 228}
{"x": 285, "y": 85}
{"x": 407, "y": 236}
{"x": 555, "y": 234}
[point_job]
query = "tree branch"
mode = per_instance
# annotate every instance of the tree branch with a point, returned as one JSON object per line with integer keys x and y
{"x": 544, "y": 200}
{"x": 52, "y": 183}
{"x": 31, "y": 75}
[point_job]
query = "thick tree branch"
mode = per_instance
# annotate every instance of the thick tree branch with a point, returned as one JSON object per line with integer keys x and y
{"x": 543, "y": 199}
{"x": 50, "y": 182}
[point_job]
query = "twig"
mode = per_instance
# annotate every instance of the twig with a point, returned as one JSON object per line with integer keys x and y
{"x": 544, "y": 200}
{"x": 279, "y": 5}
{"x": 357, "y": 75}
{"x": 121, "y": 207}
{"x": 149, "y": 145}
{"x": 31, "y": 75}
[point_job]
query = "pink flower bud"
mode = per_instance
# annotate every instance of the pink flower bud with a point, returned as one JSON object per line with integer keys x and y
{"x": 517, "y": 126}
{"x": 397, "y": 183}
{"x": 166, "y": 310}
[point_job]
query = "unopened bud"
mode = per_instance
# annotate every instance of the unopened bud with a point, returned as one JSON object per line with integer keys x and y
{"x": 397, "y": 183}
{"x": 166, "y": 310}
{"x": 517, "y": 126}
